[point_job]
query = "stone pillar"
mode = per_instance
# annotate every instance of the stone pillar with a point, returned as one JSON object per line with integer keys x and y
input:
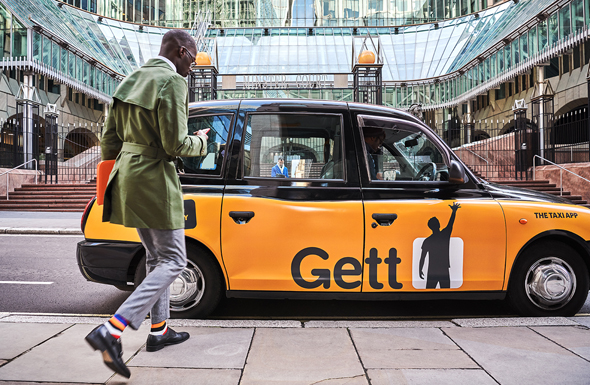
{"x": 27, "y": 107}
{"x": 524, "y": 147}
{"x": 468, "y": 123}
{"x": 588, "y": 81}
{"x": 542, "y": 116}
{"x": 50, "y": 149}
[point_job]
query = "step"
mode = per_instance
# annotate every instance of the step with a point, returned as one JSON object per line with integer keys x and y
{"x": 27, "y": 193}
{"x": 56, "y": 191}
{"x": 58, "y": 186}
{"x": 43, "y": 205}
{"x": 558, "y": 193}
{"x": 63, "y": 210}
{"x": 529, "y": 185}
{"x": 519, "y": 182}
{"x": 43, "y": 202}
{"x": 45, "y": 199}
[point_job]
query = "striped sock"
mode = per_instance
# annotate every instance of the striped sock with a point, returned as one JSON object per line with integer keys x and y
{"x": 159, "y": 329}
{"x": 116, "y": 325}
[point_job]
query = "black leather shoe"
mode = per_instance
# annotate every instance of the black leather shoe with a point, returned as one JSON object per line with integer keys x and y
{"x": 112, "y": 351}
{"x": 155, "y": 343}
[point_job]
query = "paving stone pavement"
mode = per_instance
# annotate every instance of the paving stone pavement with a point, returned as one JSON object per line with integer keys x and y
{"x": 51, "y": 350}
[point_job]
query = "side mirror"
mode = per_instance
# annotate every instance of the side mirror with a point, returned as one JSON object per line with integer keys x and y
{"x": 457, "y": 173}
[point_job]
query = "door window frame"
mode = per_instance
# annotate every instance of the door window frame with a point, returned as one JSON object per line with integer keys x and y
{"x": 228, "y": 141}
{"x": 389, "y": 123}
{"x": 342, "y": 151}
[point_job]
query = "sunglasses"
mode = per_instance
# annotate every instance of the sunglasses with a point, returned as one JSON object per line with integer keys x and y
{"x": 188, "y": 53}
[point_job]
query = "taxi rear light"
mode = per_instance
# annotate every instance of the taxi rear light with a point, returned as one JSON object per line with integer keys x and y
{"x": 86, "y": 213}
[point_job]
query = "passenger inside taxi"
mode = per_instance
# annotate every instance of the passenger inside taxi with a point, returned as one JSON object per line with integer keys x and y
{"x": 374, "y": 138}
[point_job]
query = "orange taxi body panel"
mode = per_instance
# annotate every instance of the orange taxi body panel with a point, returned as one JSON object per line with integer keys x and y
{"x": 477, "y": 245}
{"x": 540, "y": 217}
{"x": 259, "y": 255}
{"x": 103, "y": 172}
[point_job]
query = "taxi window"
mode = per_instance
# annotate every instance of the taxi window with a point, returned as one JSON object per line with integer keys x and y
{"x": 405, "y": 155}
{"x": 300, "y": 146}
{"x": 219, "y": 130}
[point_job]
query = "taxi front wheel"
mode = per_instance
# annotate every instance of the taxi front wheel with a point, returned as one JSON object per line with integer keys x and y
{"x": 550, "y": 279}
{"x": 198, "y": 289}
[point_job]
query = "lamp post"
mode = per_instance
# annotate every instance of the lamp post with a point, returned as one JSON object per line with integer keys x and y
{"x": 202, "y": 79}
{"x": 367, "y": 66}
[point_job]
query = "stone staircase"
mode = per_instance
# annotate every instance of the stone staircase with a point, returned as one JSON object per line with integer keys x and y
{"x": 544, "y": 186}
{"x": 50, "y": 197}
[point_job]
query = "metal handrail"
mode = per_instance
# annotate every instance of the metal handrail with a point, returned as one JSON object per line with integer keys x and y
{"x": 482, "y": 158}
{"x": 560, "y": 172}
{"x": 19, "y": 166}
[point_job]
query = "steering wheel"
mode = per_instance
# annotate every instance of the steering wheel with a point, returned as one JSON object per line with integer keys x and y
{"x": 423, "y": 171}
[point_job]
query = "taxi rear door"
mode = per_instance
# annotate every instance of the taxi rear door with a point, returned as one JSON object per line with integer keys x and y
{"x": 302, "y": 232}
{"x": 422, "y": 232}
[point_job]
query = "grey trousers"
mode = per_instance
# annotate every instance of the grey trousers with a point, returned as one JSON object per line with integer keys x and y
{"x": 165, "y": 260}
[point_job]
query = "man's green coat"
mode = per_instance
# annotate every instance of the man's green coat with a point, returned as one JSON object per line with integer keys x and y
{"x": 150, "y": 108}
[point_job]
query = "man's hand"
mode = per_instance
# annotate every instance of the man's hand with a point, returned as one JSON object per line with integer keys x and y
{"x": 203, "y": 133}
{"x": 456, "y": 206}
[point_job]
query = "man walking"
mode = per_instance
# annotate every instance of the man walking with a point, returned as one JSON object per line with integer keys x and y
{"x": 145, "y": 130}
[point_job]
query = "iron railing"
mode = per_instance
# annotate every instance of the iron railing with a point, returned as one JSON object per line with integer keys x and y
{"x": 76, "y": 149}
{"x": 492, "y": 150}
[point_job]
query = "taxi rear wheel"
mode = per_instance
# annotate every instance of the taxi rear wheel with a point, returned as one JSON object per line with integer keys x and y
{"x": 550, "y": 279}
{"x": 198, "y": 289}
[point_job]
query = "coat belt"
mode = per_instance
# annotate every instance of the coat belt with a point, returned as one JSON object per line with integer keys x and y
{"x": 150, "y": 152}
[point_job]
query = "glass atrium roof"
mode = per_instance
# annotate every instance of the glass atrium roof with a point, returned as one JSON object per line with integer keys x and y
{"x": 410, "y": 52}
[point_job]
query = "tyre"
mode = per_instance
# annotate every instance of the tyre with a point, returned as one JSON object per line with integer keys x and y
{"x": 549, "y": 279}
{"x": 198, "y": 289}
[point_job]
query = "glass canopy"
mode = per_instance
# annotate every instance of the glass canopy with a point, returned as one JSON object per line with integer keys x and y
{"x": 458, "y": 53}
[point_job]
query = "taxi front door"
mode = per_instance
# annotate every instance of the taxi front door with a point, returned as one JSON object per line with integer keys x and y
{"x": 422, "y": 233}
{"x": 302, "y": 233}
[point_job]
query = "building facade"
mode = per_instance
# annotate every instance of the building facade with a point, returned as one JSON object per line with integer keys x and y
{"x": 464, "y": 63}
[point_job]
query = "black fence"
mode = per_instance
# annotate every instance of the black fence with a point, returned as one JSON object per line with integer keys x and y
{"x": 494, "y": 148}
{"x": 65, "y": 153}
{"x": 498, "y": 149}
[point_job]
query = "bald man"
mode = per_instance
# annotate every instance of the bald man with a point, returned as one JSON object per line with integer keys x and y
{"x": 145, "y": 131}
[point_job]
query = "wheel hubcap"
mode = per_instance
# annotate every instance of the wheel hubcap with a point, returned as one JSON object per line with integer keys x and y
{"x": 550, "y": 283}
{"x": 187, "y": 290}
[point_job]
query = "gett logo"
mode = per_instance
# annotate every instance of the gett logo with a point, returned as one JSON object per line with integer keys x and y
{"x": 324, "y": 276}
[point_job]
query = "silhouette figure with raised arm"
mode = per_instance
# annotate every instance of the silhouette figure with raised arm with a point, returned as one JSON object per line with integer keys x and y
{"x": 437, "y": 247}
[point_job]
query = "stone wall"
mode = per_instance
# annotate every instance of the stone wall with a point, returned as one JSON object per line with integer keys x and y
{"x": 572, "y": 183}
{"x": 15, "y": 180}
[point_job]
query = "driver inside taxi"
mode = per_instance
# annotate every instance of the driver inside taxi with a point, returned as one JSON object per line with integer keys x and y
{"x": 374, "y": 138}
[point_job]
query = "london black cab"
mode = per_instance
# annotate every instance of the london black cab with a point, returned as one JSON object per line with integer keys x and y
{"x": 324, "y": 200}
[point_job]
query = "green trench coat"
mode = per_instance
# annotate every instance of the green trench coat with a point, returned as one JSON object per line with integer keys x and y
{"x": 145, "y": 130}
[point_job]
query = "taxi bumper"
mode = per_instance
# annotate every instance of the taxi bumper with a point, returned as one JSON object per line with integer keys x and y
{"x": 111, "y": 263}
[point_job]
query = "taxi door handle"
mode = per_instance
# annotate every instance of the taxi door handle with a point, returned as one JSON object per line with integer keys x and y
{"x": 383, "y": 219}
{"x": 241, "y": 217}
